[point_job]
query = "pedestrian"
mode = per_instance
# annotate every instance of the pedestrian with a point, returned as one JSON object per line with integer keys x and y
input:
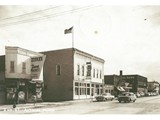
{"x": 34, "y": 99}
{"x": 14, "y": 100}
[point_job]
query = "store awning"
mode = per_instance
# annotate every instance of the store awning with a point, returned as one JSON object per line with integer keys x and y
{"x": 33, "y": 82}
{"x": 120, "y": 88}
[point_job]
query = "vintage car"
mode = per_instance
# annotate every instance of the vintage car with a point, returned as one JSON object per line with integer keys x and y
{"x": 127, "y": 97}
{"x": 104, "y": 97}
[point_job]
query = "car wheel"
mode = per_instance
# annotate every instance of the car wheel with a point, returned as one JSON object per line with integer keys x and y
{"x": 111, "y": 99}
{"x": 119, "y": 101}
{"x": 134, "y": 100}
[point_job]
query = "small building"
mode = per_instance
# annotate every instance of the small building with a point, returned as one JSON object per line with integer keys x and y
{"x": 71, "y": 74}
{"x": 21, "y": 75}
{"x": 153, "y": 86}
{"x": 112, "y": 84}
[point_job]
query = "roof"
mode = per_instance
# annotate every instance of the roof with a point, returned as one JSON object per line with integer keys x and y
{"x": 76, "y": 50}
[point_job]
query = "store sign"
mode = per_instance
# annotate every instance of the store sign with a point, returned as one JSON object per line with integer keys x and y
{"x": 89, "y": 68}
{"x": 36, "y": 66}
{"x": 21, "y": 95}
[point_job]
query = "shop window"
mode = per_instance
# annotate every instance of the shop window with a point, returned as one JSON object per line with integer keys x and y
{"x": 12, "y": 66}
{"x": 76, "y": 84}
{"x": 88, "y": 91}
{"x": 23, "y": 67}
{"x": 83, "y": 91}
{"x": 58, "y": 70}
{"x": 76, "y": 91}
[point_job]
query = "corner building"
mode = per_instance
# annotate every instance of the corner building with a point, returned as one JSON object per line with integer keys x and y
{"x": 21, "y": 75}
{"x": 71, "y": 74}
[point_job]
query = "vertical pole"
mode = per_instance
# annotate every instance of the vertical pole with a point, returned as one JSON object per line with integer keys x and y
{"x": 72, "y": 37}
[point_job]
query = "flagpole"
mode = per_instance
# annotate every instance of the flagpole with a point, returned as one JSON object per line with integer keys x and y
{"x": 73, "y": 37}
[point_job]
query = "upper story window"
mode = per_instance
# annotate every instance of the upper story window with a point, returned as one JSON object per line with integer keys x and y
{"x": 97, "y": 73}
{"x": 58, "y": 70}
{"x": 23, "y": 67}
{"x": 78, "y": 69}
{"x": 100, "y": 74}
{"x": 12, "y": 67}
{"x": 83, "y": 70}
{"x": 94, "y": 73}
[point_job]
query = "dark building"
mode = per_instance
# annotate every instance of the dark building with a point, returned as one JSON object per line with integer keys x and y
{"x": 2, "y": 80}
{"x": 136, "y": 83}
{"x": 130, "y": 83}
{"x": 112, "y": 84}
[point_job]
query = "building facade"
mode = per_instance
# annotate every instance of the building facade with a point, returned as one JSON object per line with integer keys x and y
{"x": 136, "y": 83}
{"x": 127, "y": 83}
{"x": 71, "y": 74}
{"x": 112, "y": 84}
{"x": 22, "y": 74}
{"x": 154, "y": 86}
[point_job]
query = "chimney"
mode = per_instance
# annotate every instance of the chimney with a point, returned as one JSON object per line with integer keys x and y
{"x": 121, "y": 72}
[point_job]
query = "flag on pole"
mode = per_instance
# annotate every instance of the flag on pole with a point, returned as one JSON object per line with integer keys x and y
{"x": 67, "y": 31}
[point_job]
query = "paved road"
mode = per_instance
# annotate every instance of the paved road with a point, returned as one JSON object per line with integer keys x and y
{"x": 145, "y": 105}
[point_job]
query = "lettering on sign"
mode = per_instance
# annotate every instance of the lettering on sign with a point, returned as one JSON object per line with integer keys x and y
{"x": 35, "y": 68}
{"x": 36, "y": 59}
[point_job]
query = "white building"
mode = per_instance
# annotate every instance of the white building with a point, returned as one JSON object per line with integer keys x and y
{"x": 23, "y": 74}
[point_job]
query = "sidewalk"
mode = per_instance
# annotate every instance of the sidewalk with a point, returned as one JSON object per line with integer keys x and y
{"x": 40, "y": 105}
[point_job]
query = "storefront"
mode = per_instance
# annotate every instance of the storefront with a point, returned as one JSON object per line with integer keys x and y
{"x": 86, "y": 90}
{"x": 23, "y": 75}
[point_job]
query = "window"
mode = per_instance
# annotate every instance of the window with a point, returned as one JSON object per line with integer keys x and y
{"x": 12, "y": 67}
{"x": 93, "y": 73}
{"x": 97, "y": 73}
{"x": 82, "y": 70}
{"x": 78, "y": 69}
{"x": 58, "y": 70}
{"x": 23, "y": 67}
{"x": 100, "y": 74}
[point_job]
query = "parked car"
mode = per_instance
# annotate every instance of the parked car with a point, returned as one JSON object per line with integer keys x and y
{"x": 127, "y": 97}
{"x": 104, "y": 97}
{"x": 138, "y": 95}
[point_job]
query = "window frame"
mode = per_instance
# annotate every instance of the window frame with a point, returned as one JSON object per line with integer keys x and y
{"x": 58, "y": 69}
{"x": 12, "y": 66}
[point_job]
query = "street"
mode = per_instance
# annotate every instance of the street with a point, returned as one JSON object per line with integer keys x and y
{"x": 144, "y": 105}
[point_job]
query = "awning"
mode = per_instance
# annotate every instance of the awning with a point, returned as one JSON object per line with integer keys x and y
{"x": 120, "y": 88}
{"x": 33, "y": 82}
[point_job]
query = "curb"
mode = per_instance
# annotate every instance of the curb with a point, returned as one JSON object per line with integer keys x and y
{"x": 19, "y": 107}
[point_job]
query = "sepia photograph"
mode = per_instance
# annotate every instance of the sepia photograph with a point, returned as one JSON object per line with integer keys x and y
{"x": 80, "y": 59}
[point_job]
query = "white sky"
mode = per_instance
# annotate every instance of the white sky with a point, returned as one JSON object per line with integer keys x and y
{"x": 126, "y": 37}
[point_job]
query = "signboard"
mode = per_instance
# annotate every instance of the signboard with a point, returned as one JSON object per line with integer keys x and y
{"x": 21, "y": 95}
{"x": 36, "y": 66}
{"x": 89, "y": 68}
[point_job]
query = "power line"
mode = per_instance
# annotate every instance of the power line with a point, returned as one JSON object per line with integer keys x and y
{"x": 35, "y": 12}
{"x": 47, "y": 16}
